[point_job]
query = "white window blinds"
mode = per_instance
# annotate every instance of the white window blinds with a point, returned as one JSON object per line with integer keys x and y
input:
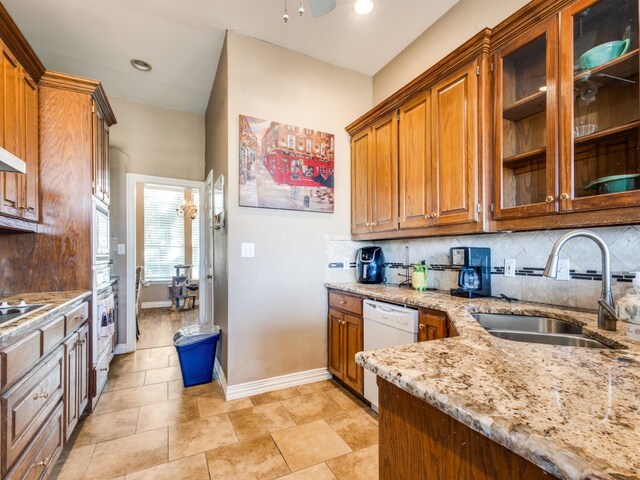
{"x": 163, "y": 232}
{"x": 195, "y": 238}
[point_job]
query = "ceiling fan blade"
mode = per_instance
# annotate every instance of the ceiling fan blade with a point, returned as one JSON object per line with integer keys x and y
{"x": 321, "y": 7}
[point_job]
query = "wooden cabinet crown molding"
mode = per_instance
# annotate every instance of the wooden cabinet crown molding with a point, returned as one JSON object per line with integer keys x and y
{"x": 81, "y": 85}
{"x": 19, "y": 46}
{"x": 457, "y": 59}
{"x": 523, "y": 19}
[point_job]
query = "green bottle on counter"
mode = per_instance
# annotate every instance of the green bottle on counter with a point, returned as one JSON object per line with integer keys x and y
{"x": 419, "y": 277}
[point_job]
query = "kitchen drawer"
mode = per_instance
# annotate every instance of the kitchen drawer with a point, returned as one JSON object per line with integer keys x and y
{"x": 41, "y": 456}
{"x": 102, "y": 372}
{"x": 77, "y": 317}
{"x": 26, "y": 406}
{"x": 344, "y": 302}
{"x": 52, "y": 335}
{"x": 20, "y": 357}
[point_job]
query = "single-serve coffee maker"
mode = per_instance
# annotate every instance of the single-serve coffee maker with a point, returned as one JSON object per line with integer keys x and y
{"x": 474, "y": 279}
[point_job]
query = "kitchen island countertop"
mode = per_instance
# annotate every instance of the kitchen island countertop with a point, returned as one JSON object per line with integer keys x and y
{"x": 54, "y": 304}
{"x": 575, "y": 412}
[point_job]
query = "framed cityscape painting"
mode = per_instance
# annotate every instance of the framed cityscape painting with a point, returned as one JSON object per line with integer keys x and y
{"x": 285, "y": 167}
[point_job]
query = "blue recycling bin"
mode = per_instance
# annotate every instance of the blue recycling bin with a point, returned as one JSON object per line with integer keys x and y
{"x": 196, "y": 347}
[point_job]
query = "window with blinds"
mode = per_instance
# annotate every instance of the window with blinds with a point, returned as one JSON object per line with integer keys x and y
{"x": 163, "y": 232}
{"x": 195, "y": 239}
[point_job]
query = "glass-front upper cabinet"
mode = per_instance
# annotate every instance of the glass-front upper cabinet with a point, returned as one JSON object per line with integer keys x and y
{"x": 600, "y": 111}
{"x": 525, "y": 123}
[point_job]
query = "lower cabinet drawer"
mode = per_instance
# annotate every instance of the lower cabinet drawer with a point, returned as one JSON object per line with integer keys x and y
{"x": 18, "y": 358}
{"x": 40, "y": 457}
{"x": 102, "y": 373}
{"x": 348, "y": 303}
{"x": 52, "y": 335}
{"x": 77, "y": 317}
{"x": 27, "y": 405}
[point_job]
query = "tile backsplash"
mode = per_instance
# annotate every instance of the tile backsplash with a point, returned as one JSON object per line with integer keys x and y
{"x": 529, "y": 249}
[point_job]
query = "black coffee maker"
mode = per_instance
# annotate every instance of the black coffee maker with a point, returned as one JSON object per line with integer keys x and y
{"x": 474, "y": 278}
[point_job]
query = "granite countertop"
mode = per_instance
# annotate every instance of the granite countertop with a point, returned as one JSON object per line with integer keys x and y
{"x": 575, "y": 412}
{"x": 54, "y": 304}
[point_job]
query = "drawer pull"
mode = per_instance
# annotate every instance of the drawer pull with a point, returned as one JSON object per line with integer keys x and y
{"x": 105, "y": 369}
{"x": 79, "y": 317}
{"x": 43, "y": 463}
{"x": 342, "y": 302}
{"x": 37, "y": 395}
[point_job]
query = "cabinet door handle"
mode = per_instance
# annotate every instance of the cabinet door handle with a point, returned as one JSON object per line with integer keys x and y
{"x": 43, "y": 463}
{"x": 434, "y": 215}
{"x": 564, "y": 196}
{"x": 421, "y": 326}
{"x": 549, "y": 199}
{"x": 106, "y": 369}
{"x": 342, "y": 302}
{"x": 81, "y": 342}
{"x": 37, "y": 395}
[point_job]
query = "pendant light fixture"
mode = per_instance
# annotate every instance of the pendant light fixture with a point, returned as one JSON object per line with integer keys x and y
{"x": 301, "y": 9}
{"x": 285, "y": 16}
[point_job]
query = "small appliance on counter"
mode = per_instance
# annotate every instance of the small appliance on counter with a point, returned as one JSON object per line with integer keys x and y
{"x": 474, "y": 278}
{"x": 370, "y": 265}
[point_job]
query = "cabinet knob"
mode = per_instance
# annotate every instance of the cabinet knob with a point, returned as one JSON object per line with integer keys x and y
{"x": 342, "y": 302}
{"x": 43, "y": 463}
{"x": 549, "y": 199}
{"x": 421, "y": 326}
{"x": 368, "y": 224}
{"x": 564, "y": 196}
{"x": 37, "y": 395}
{"x": 434, "y": 215}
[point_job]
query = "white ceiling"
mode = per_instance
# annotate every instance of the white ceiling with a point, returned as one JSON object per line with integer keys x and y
{"x": 182, "y": 39}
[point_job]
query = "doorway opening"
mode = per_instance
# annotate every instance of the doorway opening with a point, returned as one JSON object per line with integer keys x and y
{"x": 165, "y": 221}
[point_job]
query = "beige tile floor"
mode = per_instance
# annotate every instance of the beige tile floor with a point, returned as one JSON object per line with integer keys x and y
{"x": 148, "y": 426}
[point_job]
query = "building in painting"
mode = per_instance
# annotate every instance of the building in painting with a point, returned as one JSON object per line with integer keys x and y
{"x": 298, "y": 156}
{"x": 249, "y": 151}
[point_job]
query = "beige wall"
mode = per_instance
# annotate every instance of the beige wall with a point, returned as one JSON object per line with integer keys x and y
{"x": 217, "y": 160}
{"x": 148, "y": 140}
{"x": 454, "y": 28}
{"x": 277, "y": 302}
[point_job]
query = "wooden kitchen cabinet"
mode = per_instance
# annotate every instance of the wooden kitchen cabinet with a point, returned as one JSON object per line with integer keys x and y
{"x": 18, "y": 135}
{"x": 415, "y": 162}
{"x": 525, "y": 109}
{"x": 76, "y": 377}
{"x": 454, "y": 161}
{"x": 419, "y": 441}
{"x": 432, "y": 325}
{"x": 564, "y": 129}
{"x": 417, "y": 168}
{"x": 100, "y": 169}
{"x": 345, "y": 339}
{"x": 374, "y": 177}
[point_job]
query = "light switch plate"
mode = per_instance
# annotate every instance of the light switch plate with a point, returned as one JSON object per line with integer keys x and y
{"x": 248, "y": 250}
{"x": 564, "y": 273}
{"x": 509, "y": 267}
{"x": 121, "y": 249}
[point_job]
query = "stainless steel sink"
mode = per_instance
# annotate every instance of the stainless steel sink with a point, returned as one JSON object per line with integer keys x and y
{"x": 532, "y": 329}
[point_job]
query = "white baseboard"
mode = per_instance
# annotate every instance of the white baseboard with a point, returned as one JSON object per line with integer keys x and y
{"x": 242, "y": 390}
{"x": 222, "y": 380}
{"x": 120, "y": 349}
{"x": 160, "y": 304}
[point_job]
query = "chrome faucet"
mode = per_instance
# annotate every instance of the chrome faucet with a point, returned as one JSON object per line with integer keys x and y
{"x": 607, "y": 317}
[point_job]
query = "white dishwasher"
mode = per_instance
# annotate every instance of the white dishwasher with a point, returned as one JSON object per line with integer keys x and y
{"x": 385, "y": 325}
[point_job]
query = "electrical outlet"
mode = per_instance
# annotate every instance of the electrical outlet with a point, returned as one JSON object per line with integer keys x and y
{"x": 248, "y": 250}
{"x": 509, "y": 267}
{"x": 121, "y": 249}
{"x": 564, "y": 273}
{"x": 346, "y": 263}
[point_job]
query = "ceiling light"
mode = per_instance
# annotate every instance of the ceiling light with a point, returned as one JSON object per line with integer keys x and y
{"x": 140, "y": 65}
{"x": 363, "y": 7}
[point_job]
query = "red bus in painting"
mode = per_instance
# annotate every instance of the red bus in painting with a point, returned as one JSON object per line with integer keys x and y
{"x": 297, "y": 170}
